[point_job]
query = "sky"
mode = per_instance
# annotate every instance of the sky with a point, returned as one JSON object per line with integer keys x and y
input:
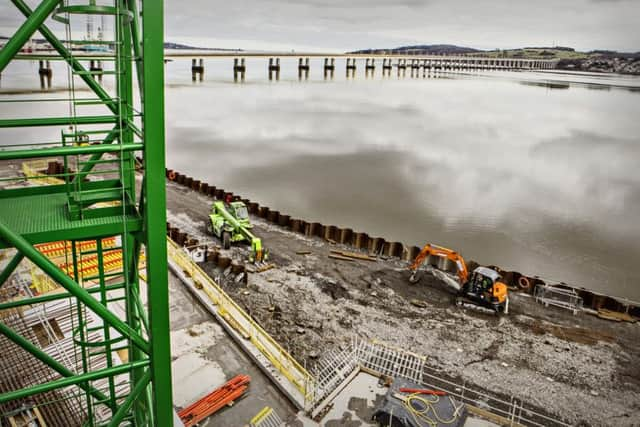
{"x": 344, "y": 25}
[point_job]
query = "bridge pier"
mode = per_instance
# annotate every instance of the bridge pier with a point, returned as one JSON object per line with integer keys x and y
{"x": 239, "y": 69}
{"x": 370, "y": 66}
{"x": 402, "y": 66}
{"x": 386, "y": 66}
{"x": 45, "y": 73}
{"x": 351, "y": 67}
{"x": 329, "y": 67}
{"x": 274, "y": 68}
{"x": 197, "y": 69}
{"x": 95, "y": 67}
{"x": 303, "y": 68}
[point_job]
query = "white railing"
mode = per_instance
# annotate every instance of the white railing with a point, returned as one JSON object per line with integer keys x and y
{"x": 558, "y": 297}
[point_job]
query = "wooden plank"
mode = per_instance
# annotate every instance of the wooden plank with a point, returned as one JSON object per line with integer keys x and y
{"x": 354, "y": 255}
{"x": 616, "y": 316}
{"x": 340, "y": 257}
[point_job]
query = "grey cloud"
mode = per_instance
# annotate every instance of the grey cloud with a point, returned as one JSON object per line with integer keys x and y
{"x": 347, "y": 25}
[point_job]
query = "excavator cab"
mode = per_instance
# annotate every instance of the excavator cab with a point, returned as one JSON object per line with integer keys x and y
{"x": 484, "y": 288}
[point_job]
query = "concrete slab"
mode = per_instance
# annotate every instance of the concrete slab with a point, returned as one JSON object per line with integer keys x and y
{"x": 204, "y": 358}
{"x": 477, "y": 422}
{"x": 355, "y": 402}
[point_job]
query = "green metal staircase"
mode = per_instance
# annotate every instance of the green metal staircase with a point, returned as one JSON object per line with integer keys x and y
{"x": 99, "y": 198}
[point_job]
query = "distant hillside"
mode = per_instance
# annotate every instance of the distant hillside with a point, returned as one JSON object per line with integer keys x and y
{"x": 604, "y": 61}
{"x": 171, "y": 45}
{"x": 539, "y": 52}
{"x": 432, "y": 49}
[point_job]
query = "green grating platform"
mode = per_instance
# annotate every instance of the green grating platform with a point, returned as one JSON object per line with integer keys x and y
{"x": 44, "y": 217}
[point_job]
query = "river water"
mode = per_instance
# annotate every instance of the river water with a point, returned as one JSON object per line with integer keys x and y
{"x": 537, "y": 172}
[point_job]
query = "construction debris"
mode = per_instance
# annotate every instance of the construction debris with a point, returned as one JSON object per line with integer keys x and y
{"x": 418, "y": 303}
{"x": 214, "y": 401}
{"x": 265, "y": 268}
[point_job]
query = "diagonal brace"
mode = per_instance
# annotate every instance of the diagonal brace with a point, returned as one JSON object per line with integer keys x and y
{"x": 130, "y": 400}
{"x": 75, "y": 64}
{"x": 72, "y": 287}
{"x": 4, "y": 276}
{"x": 26, "y": 30}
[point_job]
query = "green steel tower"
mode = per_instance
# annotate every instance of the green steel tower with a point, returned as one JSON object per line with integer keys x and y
{"x": 110, "y": 187}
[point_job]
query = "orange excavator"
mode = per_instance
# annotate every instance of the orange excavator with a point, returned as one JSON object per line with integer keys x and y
{"x": 482, "y": 287}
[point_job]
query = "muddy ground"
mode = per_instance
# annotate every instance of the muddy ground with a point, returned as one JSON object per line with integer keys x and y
{"x": 580, "y": 368}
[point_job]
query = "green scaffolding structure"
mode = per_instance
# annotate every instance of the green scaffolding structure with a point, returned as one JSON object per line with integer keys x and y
{"x": 111, "y": 185}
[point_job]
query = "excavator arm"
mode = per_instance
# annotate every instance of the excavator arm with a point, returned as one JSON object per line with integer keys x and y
{"x": 439, "y": 251}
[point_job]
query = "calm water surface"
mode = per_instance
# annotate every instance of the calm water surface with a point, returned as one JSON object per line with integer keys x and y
{"x": 535, "y": 172}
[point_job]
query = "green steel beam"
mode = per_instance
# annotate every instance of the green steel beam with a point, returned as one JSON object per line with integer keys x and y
{"x": 57, "y": 57}
{"x": 10, "y": 267}
{"x": 26, "y": 30}
{"x": 73, "y": 288}
{"x": 124, "y": 89}
{"x": 70, "y": 381}
{"x": 137, "y": 42}
{"x": 155, "y": 208}
{"x": 62, "y": 51}
{"x": 69, "y": 151}
{"x": 47, "y": 360}
{"x": 128, "y": 402}
{"x": 57, "y": 121}
{"x": 52, "y": 297}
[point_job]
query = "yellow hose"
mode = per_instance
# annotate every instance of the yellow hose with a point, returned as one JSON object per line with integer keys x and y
{"x": 421, "y": 417}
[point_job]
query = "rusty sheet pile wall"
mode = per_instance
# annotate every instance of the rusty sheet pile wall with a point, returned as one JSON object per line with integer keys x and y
{"x": 373, "y": 245}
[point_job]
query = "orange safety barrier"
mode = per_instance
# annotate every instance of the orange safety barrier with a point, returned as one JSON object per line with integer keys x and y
{"x": 215, "y": 400}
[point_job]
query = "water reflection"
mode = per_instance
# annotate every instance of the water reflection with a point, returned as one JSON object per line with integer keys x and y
{"x": 548, "y": 85}
{"x": 492, "y": 164}
{"x": 535, "y": 180}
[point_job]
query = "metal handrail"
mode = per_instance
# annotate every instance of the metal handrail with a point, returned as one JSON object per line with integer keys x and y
{"x": 295, "y": 373}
